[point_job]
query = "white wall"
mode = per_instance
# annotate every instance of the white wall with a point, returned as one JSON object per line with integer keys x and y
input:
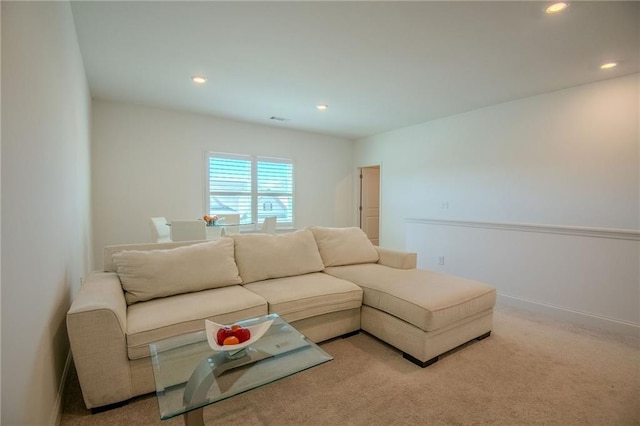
{"x": 151, "y": 162}
{"x": 0, "y": 227}
{"x": 45, "y": 203}
{"x": 568, "y": 158}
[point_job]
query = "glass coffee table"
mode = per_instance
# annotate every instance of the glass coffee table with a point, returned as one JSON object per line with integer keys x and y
{"x": 189, "y": 375}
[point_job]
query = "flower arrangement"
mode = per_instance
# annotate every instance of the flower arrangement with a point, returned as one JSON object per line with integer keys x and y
{"x": 211, "y": 220}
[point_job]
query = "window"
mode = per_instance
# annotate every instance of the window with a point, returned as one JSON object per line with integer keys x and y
{"x": 253, "y": 187}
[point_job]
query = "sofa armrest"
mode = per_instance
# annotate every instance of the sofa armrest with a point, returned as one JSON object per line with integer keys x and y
{"x": 97, "y": 324}
{"x": 397, "y": 259}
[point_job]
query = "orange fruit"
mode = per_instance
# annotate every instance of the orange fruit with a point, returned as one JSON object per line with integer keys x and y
{"x": 231, "y": 340}
{"x": 235, "y": 327}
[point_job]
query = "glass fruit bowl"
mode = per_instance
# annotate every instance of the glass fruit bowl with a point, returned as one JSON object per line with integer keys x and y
{"x": 257, "y": 331}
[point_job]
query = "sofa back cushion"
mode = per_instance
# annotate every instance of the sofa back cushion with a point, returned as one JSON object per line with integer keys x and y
{"x": 147, "y": 275}
{"x": 264, "y": 256}
{"x": 344, "y": 246}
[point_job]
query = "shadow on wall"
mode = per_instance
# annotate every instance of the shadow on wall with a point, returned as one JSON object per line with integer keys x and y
{"x": 51, "y": 356}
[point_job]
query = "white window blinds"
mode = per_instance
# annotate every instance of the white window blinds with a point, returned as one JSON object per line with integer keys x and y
{"x": 252, "y": 187}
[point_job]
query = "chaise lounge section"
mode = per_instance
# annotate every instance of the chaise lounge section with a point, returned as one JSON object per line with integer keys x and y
{"x": 326, "y": 282}
{"x": 420, "y": 312}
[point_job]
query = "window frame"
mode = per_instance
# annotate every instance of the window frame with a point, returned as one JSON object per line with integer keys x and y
{"x": 254, "y": 194}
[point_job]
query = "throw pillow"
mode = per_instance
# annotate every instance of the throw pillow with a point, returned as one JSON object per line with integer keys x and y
{"x": 264, "y": 256}
{"x": 147, "y": 275}
{"x": 344, "y": 246}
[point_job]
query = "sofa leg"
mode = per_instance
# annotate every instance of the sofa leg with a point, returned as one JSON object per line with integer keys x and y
{"x": 97, "y": 410}
{"x": 484, "y": 336}
{"x": 419, "y": 363}
{"x": 427, "y": 363}
{"x": 351, "y": 333}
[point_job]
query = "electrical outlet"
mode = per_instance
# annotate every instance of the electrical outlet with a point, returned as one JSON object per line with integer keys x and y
{"x": 440, "y": 260}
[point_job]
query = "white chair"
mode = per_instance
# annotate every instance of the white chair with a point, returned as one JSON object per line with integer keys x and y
{"x": 188, "y": 230}
{"x": 214, "y": 232}
{"x": 269, "y": 225}
{"x": 160, "y": 230}
{"x": 233, "y": 222}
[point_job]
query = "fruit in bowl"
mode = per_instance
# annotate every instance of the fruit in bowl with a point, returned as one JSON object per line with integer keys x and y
{"x": 242, "y": 333}
{"x": 231, "y": 340}
{"x": 224, "y": 335}
{"x": 240, "y": 336}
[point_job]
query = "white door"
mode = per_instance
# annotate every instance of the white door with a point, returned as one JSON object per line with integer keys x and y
{"x": 370, "y": 202}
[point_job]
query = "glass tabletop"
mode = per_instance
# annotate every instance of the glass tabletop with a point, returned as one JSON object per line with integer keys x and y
{"x": 190, "y": 375}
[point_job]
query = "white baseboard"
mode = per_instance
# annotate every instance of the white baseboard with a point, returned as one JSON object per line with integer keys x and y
{"x": 568, "y": 315}
{"x": 56, "y": 412}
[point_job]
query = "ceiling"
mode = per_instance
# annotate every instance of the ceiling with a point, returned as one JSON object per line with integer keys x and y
{"x": 377, "y": 65}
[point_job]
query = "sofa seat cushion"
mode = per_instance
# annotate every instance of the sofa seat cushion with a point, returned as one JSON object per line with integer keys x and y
{"x": 426, "y": 299}
{"x": 265, "y": 256}
{"x": 159, "y": 319}
{"x": 305, "y": 296}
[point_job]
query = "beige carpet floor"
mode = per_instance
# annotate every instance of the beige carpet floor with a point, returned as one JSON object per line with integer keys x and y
{"x": 532, "y": 370}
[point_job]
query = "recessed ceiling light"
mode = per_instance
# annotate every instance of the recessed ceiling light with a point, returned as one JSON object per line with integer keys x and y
{"x": 322, "y": 107}
{"x": 557, "y": 7}
{"x": 200, "y": 79}
{"x": 608, "y": 65}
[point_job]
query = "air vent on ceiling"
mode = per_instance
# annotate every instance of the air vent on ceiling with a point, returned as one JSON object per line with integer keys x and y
{"x": 274, "y": 118}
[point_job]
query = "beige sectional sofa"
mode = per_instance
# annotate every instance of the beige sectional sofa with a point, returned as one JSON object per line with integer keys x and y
{"x": 326, "y": 282}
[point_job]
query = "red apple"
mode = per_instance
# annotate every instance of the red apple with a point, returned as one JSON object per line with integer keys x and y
{"x": 243, "y": 334}
{"x": 222, "y": 334}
